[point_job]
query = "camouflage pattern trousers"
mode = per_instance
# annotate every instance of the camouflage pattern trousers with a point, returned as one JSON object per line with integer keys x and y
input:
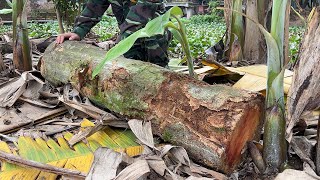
{"x": 131, "y": 16}
{"x": 153, "y": 49}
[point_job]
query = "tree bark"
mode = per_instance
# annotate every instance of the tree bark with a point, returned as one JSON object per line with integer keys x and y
{"x": 263, "y": 11}
{"x": 305, "y": 88}
{"x": 59, "y": 18}
{"x": 255, "y": 47}
{"x": 212, "y": 122}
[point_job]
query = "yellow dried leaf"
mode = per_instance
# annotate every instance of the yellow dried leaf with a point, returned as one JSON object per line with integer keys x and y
{"x": 255, "y": 78}
{"x": 58, "y": 153}
{"x": 86, "y": 123}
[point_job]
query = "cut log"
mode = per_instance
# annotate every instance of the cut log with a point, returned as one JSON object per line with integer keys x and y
{"x": 212, "y": 122}
{"x": 305, "y": 88}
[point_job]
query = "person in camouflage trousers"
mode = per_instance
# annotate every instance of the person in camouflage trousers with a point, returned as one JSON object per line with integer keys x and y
{"x": 131, "y": 16}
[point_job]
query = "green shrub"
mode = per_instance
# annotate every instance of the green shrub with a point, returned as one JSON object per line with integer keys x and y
{"x": 203, "y": 32}
{"x": 295, "y": 37}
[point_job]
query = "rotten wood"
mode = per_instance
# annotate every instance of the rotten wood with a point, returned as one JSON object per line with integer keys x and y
{"x": 212, "y": 122}
{"x": 304, "y": 93}
{"x": 40, "y": 166}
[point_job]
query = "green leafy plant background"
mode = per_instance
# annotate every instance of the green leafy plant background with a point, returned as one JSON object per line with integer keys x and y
{"x": 203, "y": 31}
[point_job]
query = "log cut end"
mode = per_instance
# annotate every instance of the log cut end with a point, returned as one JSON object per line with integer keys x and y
{"x": 245, "y": 130}
{"x": 213, "y": 123}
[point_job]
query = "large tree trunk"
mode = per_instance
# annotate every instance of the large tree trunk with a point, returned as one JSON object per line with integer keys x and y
{"x": 305, "y": 88}
{"x": 213, "y": 123}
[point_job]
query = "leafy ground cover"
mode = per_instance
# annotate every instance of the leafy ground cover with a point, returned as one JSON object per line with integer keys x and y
{"x": 203, "y": 32}
{"x": 295, "y": 37}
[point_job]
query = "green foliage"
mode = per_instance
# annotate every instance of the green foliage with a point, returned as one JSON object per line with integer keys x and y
{"x": 37, "y": 30}
{"x": 274, "y": 151}
{"x": 213, "y": 4}
{"x": 106, "y": 28}
{"x": 69, "y": 9}
{"x": 295, "y": 36}
{"x": 203, "y": 32}
{"x": 4, "y": 29}
{"x": 207, "y": 18}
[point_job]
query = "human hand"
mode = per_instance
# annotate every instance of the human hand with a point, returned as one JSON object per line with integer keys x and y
{"x": 71, "y": 36}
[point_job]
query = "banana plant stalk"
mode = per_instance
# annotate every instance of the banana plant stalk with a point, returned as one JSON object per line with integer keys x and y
{"x": 237, "y": 33}
{"x": 274, "y": 152}
{"x": 274, "y": 143}
{"x": 21, "y": 49}
{"x": 182, "y": 38}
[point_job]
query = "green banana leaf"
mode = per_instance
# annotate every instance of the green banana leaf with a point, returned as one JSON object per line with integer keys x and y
{"x": 58, "y": 153}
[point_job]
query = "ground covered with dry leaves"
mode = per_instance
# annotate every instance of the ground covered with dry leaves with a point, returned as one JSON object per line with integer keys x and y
{"x": 55, "y": 133}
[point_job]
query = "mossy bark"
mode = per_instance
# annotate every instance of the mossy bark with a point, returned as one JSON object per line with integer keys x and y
{"x": 213, "y": 122}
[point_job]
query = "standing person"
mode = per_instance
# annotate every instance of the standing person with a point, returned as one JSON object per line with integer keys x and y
{"x": 131, "y": 16}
